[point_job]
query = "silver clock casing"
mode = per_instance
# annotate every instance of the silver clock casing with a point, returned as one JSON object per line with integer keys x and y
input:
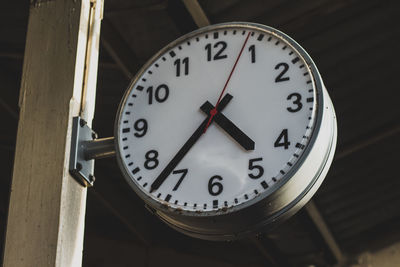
{"x": 285, "y": 198}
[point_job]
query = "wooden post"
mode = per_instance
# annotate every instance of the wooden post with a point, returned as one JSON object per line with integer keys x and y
{"x": 47, "y": 206}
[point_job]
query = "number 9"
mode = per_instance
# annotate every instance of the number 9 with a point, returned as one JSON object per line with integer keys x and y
{"x": 141, "y": 127}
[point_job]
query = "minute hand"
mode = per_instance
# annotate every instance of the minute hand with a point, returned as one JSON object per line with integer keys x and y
{"x": 229, "y": 127}
{"x": 186, "y": 147}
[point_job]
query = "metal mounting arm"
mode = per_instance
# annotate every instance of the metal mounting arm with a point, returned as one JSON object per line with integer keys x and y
{"x": 85, "y": 148}
{"x": 99, "y": 148}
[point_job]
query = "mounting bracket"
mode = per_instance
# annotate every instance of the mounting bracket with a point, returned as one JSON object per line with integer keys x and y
{"x": 85, "y": 148}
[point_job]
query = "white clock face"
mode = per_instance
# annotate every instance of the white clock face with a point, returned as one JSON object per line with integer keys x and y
{"x": 175, "y": 149}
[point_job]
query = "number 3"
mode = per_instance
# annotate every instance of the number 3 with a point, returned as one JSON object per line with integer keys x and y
{"x": 297, "y": 101}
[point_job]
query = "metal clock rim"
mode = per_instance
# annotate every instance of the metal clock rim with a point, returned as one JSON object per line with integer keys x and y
{"x": 318, "y": 84}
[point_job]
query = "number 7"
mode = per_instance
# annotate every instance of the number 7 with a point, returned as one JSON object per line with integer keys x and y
{"x": 183, "y": 172}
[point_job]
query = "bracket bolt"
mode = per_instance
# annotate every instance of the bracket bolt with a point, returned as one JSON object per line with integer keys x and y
{"x": 82, "y": 122}
{"x": 78, "y": 166}
{"x": 92, "y": 178}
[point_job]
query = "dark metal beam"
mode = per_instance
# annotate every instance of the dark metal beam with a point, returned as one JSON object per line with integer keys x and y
{"x": 11, "y": 55}
{"x": 266, "y": 253}
{"x": 9, "y": 109}
{"x": 373, "y": 139}
{"x": 122, "y": 218}
{"x": 163, "y": 4}
{"x": 324, "y": 230}
{"x": 120, "y": 203}
{"x": 119, "y": 49}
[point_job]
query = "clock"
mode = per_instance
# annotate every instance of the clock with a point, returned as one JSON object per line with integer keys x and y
{"x": 226, "y": 131}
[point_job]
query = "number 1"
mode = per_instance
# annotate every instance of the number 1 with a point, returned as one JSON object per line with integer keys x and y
{"x": 252, "y": 50}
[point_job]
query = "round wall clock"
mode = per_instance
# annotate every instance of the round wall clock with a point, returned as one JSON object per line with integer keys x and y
{"x": 226, "y": 131}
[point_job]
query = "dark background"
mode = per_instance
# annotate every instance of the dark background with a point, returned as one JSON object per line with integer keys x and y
{"x": 355, "y": 45}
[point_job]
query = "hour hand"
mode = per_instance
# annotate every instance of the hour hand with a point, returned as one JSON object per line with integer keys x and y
{"x": 229, "y": 127}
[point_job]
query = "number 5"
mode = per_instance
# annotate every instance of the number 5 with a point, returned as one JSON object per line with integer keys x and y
{"x": 253, "y": 166}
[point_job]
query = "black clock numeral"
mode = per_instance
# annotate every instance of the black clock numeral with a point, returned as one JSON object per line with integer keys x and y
{"x": 297, "y": 101}
{"x": 280, "y": 77}
{"x": 218, "y": 54}
{"x": 141, "y": 128}
{"x": 151, "y": 159}
{"x": 177, "y": 64}
{"x": 183, "y": 173}
{"x": 259, "y": 168}
{"x": 252, "y": 50}
{"x": 160, "y": 95}
{"x": 214, "y": 187}
{"x": 282, "y": 139}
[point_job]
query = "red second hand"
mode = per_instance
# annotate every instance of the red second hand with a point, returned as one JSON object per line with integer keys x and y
{"x": 214, "y": 111}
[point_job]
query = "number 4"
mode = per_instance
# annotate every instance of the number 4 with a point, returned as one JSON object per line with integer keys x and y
{"x": 279, "y": 142}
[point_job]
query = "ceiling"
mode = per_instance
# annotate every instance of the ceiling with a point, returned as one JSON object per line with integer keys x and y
{"x": 354, "y": 44}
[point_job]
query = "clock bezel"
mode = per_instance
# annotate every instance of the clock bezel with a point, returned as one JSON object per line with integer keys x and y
{"x": 268, "y": 196}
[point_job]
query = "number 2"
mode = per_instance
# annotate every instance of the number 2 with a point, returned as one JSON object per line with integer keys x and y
{"x": 280, "y": 77}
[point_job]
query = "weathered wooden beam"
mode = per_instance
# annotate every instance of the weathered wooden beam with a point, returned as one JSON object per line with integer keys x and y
{"x": 197, "y": 13}
{"x": 47, "y": 207}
